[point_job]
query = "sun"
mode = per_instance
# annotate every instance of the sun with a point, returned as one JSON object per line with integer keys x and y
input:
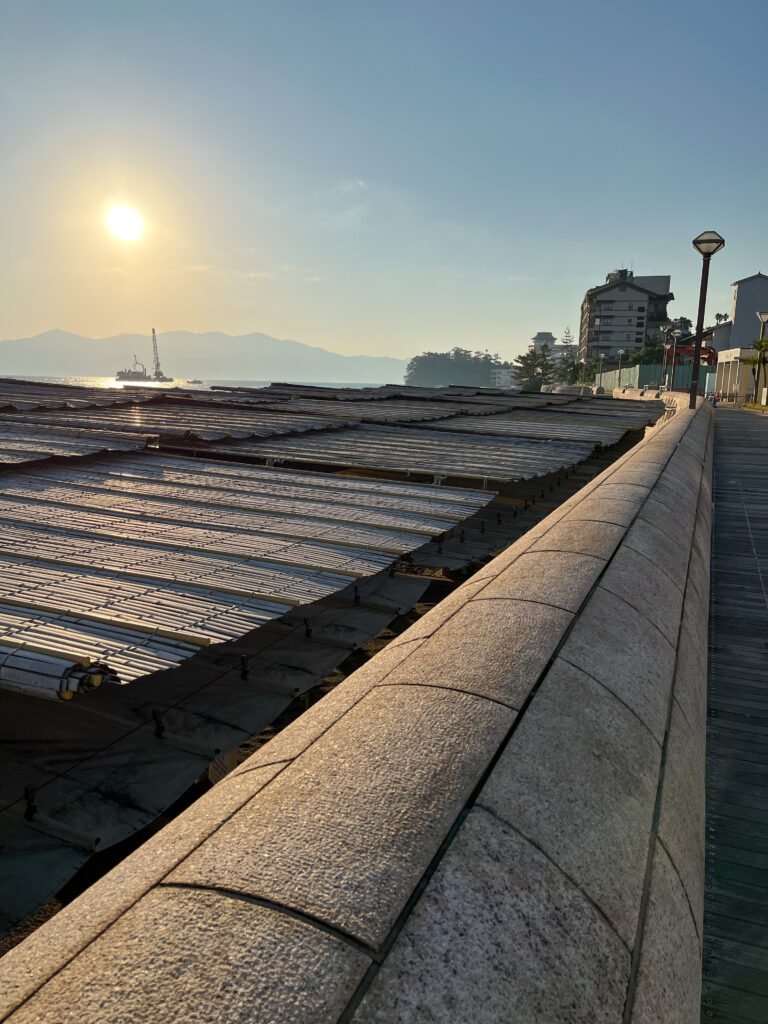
{"x": 125, "y": 223}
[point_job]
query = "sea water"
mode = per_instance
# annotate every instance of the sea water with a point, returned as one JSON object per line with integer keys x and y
{"x": 181, "y": 382}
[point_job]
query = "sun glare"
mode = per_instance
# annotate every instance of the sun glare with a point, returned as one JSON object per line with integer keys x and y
{"x": 125, "y": 223}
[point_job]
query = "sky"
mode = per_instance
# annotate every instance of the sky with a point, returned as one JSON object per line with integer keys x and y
{"x": 372, "y": 177}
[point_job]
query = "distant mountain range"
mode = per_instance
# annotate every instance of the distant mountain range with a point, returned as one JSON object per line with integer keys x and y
{"x": 211, "y": 356}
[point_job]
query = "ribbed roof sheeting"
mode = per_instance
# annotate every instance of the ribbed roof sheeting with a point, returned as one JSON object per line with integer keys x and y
{"x": 176, "y": 419}
{"x": 542, "y": 428}
{"x": 24, "y": 394}
{"x": 410, "y": 450}
{"x": 21, "y": 442}
{"x": 139, "y": 562}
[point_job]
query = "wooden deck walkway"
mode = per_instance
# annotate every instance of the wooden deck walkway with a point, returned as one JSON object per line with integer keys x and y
{"x": 735, "y": 983}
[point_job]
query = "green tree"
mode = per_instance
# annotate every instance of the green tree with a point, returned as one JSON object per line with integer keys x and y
{"x": 459, "y": 366}
{"x": 652, "y": 352}
{"x": 757, "y": 362}
{"x": 533, "y": 369}
{"x": 588, "y": 372}
{"x": 567, "y": 366}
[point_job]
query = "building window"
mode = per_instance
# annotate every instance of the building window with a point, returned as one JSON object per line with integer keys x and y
{"x": 631, "y": 305}
{"x": 641, "y": 309}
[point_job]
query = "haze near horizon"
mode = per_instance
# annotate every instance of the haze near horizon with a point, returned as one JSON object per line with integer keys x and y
{"x": 370, "y": 179}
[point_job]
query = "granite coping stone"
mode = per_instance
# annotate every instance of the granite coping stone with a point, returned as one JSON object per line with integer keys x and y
{"x": 493, "y": 647}
{"x": 691, "y": 680}
{"x": 346, "y": 831}
{"x": 678, "y": 526}
{"x": 681, "y": 822}
{"x": 190, "y": 957}
{"x": 581, "y": 764}
{"x": 606, "y": 510}
{"x": 562, "y": 579}
{"x": 619, "y": 647}
{"x": 669, "y": 975}
{"x": 42, "y": 954}
{"x": 436, "y": 617}
{"x": 297, "y": 737}
{"x": 666, "y": 553}
{"x": 500, "y": 934}
{"x": 633, "y": 578}
{"x": 582, "y": 536}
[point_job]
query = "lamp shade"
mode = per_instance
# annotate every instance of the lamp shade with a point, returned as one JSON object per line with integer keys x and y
{"x": 763, "y": 318}
{"x": 708, "y": 243}
{"x": 677, "y": 333}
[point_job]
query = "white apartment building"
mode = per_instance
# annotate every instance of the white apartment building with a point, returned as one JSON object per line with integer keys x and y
{"x": 625, "y": 313}
{"x": 503, "y": 378}
{"x": 750, "y": 296}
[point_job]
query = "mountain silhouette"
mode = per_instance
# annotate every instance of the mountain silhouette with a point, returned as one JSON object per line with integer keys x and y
{"x": 183, "y": 354}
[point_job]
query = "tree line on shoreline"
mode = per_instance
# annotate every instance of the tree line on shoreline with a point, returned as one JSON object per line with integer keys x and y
{"x": 531, "y": 369}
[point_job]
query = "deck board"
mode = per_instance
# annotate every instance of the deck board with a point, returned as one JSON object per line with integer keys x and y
{"x": 735, "y": 946}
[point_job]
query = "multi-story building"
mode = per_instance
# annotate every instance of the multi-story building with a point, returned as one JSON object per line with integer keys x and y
{"x": 750, "y": 296}
{"x": 503, "y": 377}
{"x": 625, "y": 313}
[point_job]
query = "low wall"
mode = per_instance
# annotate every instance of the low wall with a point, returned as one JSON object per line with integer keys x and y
{"x": 500, "y": 817}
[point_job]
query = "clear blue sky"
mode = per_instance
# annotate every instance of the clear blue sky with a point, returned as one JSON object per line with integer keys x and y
{"x": 375, "y": 177}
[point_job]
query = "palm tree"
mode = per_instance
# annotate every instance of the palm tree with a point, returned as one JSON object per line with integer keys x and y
{"x": 758, "y": 360}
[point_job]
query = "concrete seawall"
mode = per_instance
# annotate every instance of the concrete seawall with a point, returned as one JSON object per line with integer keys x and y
{"x": 500, "y": 817}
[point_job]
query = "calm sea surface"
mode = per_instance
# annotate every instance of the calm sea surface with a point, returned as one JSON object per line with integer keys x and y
{"x": 180, "y": 382}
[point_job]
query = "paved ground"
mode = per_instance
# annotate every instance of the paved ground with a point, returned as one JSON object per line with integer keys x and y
{"x": 736, "y": 901}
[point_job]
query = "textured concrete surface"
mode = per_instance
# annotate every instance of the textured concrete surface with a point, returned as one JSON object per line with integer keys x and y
{"x": 197, "y": 957}
{"x": 655, "y": 595}
{"x": 582, "y": 537}
{"x": 346, "y": 832}
{"x": 579, "y": 780}
{"x": 493, "y": 648}
{"x": 681, "y": 823}
{"x": 500, "y": 935}
{"x": 618, "y": 646}
{"x": 494, "y": 867}
{"x": 559, "y": 578}
{"x": 669, "y": 978}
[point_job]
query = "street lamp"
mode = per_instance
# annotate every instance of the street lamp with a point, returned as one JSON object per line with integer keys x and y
{"x": 676, "y": 334}
{"x": 621, "y": 353}
{"x": 602, "y": 357}
{"x": 665, "y": 328}
{"x": 707, "y": 243}
{"x": 763, "y": 318}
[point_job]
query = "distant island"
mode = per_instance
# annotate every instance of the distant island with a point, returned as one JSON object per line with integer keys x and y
{"x": 184, "y": 355}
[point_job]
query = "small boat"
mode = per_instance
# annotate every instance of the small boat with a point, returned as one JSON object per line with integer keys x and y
{"x": 137, "y": 372}
{"x": 195, "y": 381}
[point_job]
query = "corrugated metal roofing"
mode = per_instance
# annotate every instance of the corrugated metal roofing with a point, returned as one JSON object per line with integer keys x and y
{"x": 21, "y": 443}
{"x": 138, "y": 563}
{"x": 410, "y": 450}
{"x": 542, "y": 428}
{"x": 175, "y": 419}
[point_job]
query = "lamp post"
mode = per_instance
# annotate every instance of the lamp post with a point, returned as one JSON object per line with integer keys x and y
{"x": 665, "y": 328}
{"x": 707, "y": 243}
{"x": 602, "y": 357}
{"x": 677, "y": 333}
{"x": 621, "y": 353}
{"x": 763, "y": 318}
